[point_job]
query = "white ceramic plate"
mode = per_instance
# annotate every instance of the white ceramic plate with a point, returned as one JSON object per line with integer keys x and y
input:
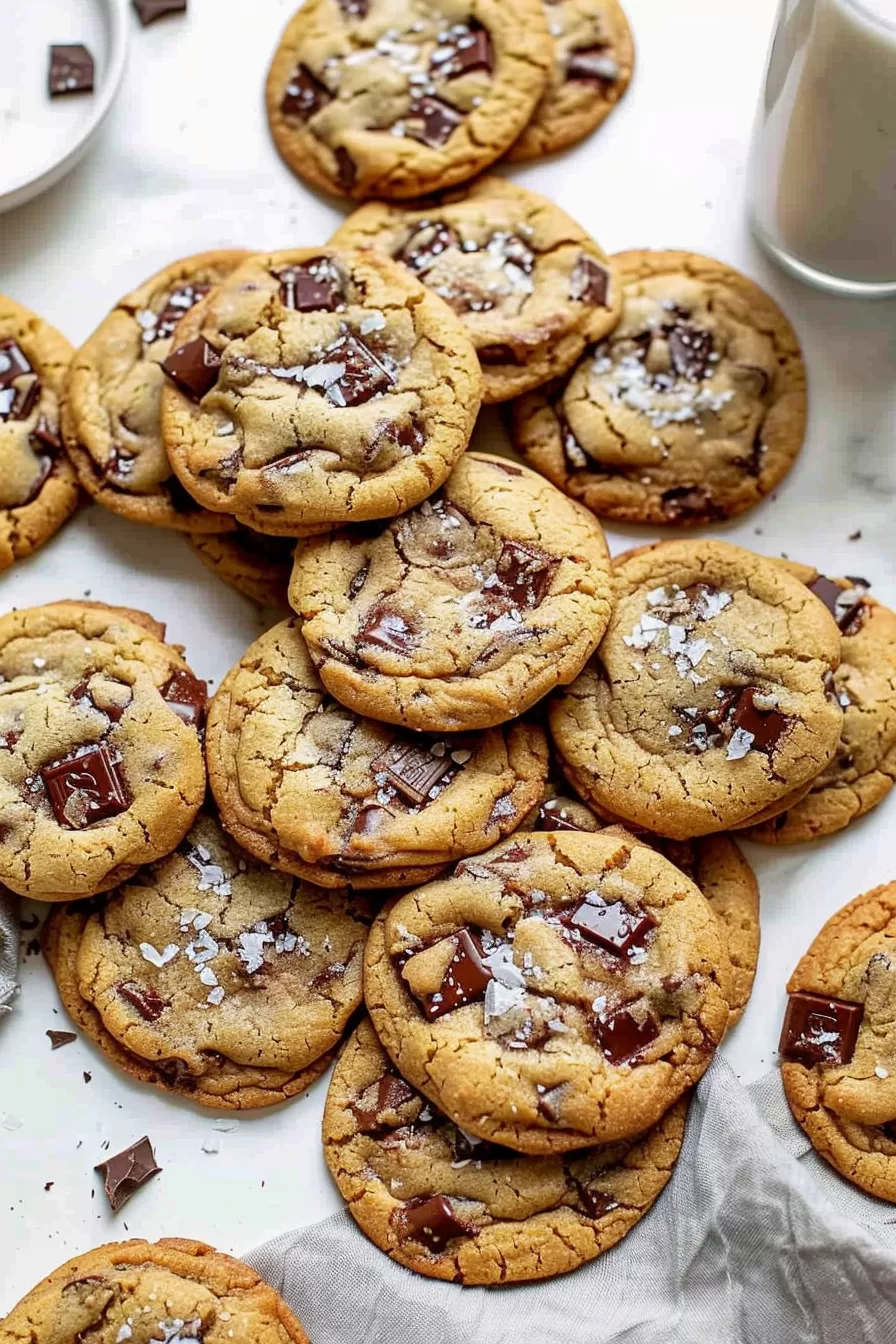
{"x": 41, "y": 138}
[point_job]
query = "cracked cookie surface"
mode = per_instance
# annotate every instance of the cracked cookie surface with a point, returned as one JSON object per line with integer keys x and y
{"x": 529, "y": 283}
{"x": 462, "y": 613}
{"x": 257, "y": 566}
{"x": 317, "y": 387}
{"x": 691, "y": 411}
{"x": 212, "y": 976}
{"x": 710, "y": 697}
{"x": 144, "y": 1291}
{"x": 449, "y": 1206}
{"x": 101, "y": 766}
{"x": 38, "y": 489}
{"x": 317, "y": 790}
{"x": 593, "y": 58}
{"x": 396, "y": 98}
{"x": 863, "y": 770}
{"x": 838, "y": 1044}
{"x": 112, "y": 424}
{"x": 559, "y": 991}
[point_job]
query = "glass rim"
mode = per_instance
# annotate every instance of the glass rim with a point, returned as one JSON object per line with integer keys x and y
{"x": 866, "y": 9}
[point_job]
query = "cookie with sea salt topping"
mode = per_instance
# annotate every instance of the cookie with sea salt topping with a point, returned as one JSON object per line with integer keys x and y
{"x": 316, "y": 387}
{"x": 387, "y": 99}
{"x": 838, "y": 1042}
{"x": 211, "y": 975}
{"x": 531, "y": 286}
{"x": 463, "y": 612}
{"x": 318, "y": 790}
{"x": 101, "y": 765}
{"x": 38, "y": 489}
{"x": 559, "y": 991}
{"x": 711, "y": 696}
{"x": 453, "y": 1207}
{"x": 692, "y": 410}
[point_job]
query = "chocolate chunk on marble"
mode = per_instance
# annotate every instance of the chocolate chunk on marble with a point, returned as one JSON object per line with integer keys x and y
{"x": 60, "y": 1038}
{"x": 820, "y": 1030}
{"x": 126, "y": 1172}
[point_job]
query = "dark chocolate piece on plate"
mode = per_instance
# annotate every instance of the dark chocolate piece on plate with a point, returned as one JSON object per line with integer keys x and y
{"x": 71, "y": 70}
{"x": 413, "y": 771}
{"x": 124, "y": 1173}
{"x": 150, "y": 10}
{"x": 60, "y": 1038}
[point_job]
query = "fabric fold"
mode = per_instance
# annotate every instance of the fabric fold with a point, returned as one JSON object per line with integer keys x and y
{"x": 9, "y": 950}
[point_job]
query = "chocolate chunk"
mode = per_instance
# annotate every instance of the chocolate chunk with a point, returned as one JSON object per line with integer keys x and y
{"x": 432, "y": 121}
{"x": 358, "y": 580}
{"x": 592, "y": 63}
{"x": 193, "y": 368}
{"x": 144, "y": 998}
{"x": 369, "y": 819}
{"x": 690, "y": 347}
{"x": 465, "y": 979}
{"x": 71, "y": 70}
{"x": 556, "y": 815}
{"x": 187, "y": 696}
{"x": 466, "y": 1147}
{"x": 305, "y": 95}
{"x": 497, "y": 354}
{"x": 463, "y": 53}
{"x": 766, "y": 726}
{"x": 595, "y": 1203}
{"x": 844, "y": 604}
{"x": 522, "y": 577}
{"x": 613, "y": 926}
{"x": 589, "y": 282}
{"x": 819, "y": 1030}
{"x": 549, "y": 1104}
{"x": 313, "y": 286}
{"x": 346, "y": 168}
{"x": 46, "y": 436}
{"x": 60, "y": 1038}
{"x": 507, "y": 467}
{"x": 622, "y": 1036}
{"x": 16, "y": 402}
{"x": 179, "y": 301}
{"x": 355, "y": 9}
{"x": 427, "y": 242}
{"x": 392, "y": 1093}
{"x": 413, "y": 770}
{"x": 86, "y": 789}
{"x": 124, "y": 1173}
{"x": 431, "y": 1221}
{"x": 363, "y": 375}
{"x": 387, "y": 629}
{"x": 150, "y": 10}
{"x": 686, "y": 503}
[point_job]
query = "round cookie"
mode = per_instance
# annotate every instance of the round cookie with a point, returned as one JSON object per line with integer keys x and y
{"x": 391, "y": 99}
{"x": 212, "y": 976}
{"x": 451, "y": 1207}
{"x": 691, "y": 411}
{"x": 101, "y": 766}
{"x": 838, "y": 1043}
{"x": 317, "y": 387}
{"x": 142, "y": 1291}
{"x": 594, "y": 54}
{"x": 38, "y": 489}
{"x": 314, "y": 789}
{"x": 462, "y": 613}
{"x": 863, "y": 770}
{"x": 559, "y": 991}
{"x": 257, "y": 566}
{"x": 111, "y": 422}
{"x": 710, "y": 697}
{"x": 531, "y": 286}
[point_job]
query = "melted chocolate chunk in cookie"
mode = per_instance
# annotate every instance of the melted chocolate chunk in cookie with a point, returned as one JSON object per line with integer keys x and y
{"x": 846, "y": 605}
{"x": 612, "y": 926}
{"x": 427, "y": 242}
{"x": 432, "y": 1221}
{"x": 465, "y": 980}
{"x": 187, "y": 696}
{"x": 622, "y": 1036}
{"x": 414, "y": 771}
{"x": 589, "y": 282}
{"x": 161, "y": 327}
{"x": 193, "y": 368}
{"x": 144, "y": 998}
{"x": 362, "y": 376}
{"x": 305, "y": 95}
{"x": 86, "y": 788}
{"x": 594, "y": 64}
{"x": 311, "y": 287}
{"x": 463, "y": 52}
{"x": 16, "y": 402}
{"x": 432, "y": 121}
{"x": 819, "y": 1030}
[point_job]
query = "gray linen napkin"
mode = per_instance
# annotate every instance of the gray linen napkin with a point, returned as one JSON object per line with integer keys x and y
{"x": 749, "y": 1244}
{"x": 9, "y": 950}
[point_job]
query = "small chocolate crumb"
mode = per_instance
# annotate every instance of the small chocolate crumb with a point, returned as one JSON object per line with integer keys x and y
{"x": 855, "y": 536}
{"x": 48, "y": 1185}
{"x": 88, "y": 1078}
{"x": 60, "y": 1038}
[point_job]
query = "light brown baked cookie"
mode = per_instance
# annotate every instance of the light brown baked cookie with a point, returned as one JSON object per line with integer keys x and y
{"x": 111, "y": 422}
{"x": 838, "y": 1043}
{"x": 530, "y": 285}
{"x": 101, "y": 766}
{"x": 452, "y": 1207}
{"x": 594, "y": 54}
{"x": 257, "y": 566}
{"x": 172, "y": 1289}
{"x": 463, "y": 612}
{"x": 558, "y": 991}
{"x": 396, "y": 98}
{"x": 210, "y": 975}
{"x": 710, "y": 697}
{"x": 692, "y": 410}
{"x": 317, "y": 387}
{"x": 38, "y": 489}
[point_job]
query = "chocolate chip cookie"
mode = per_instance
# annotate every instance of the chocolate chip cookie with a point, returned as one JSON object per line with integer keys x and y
{"x": 594, "y": 54}
{"x": 559, "y": 991}
{"x": 38, "y": 490}
{"x": 172, "y": 1289}
{"x": 318, "y": 387}
{"x": 101, "y": 766}
{"x": 317, "y": 790}
{"x": 257, "y": 566}
{"x": 863, "y": 770}
{"x": 454, "y": 1207}
{"x": 111, "y": 421}
{"x": 838, "y": 1042}
{"x": 381, "y": 98}
{"x": 465, "y": 611}
{"x": 691, "y": 411}
{"x": 711, "y": 696}
{"x": 531, "y": 286}
{"x": 210, "y": 975}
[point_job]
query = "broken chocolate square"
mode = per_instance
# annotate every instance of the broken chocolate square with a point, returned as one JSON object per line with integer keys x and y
{"x": 413, "y": 771}
{"x": 432, "y": 1221}
{"x": 124, "y": 1173}
{"x": 71, "y": 70}
{"x": 820, "y": 1030}
{"x": 193, "y": 368}
{"x": 612, "y": 926}
{"x": 465, "y": 980}
{"x": 150, "y": 10}
{"x": 86, "y": 788}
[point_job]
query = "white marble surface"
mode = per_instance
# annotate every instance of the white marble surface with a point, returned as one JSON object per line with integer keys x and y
{"x": 184, "y": 163}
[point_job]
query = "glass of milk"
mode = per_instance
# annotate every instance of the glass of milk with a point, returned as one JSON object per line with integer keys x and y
{"x": 822, "y": 178}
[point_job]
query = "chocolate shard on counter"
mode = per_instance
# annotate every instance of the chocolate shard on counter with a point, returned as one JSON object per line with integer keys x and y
{"x": 60, "y": 1038}
{"x": 126, "y": 1172}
